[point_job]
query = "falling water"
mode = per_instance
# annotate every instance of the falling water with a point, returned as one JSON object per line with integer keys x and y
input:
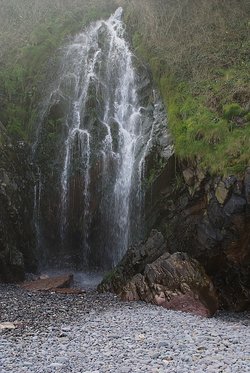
{"x": 106, "y": 138}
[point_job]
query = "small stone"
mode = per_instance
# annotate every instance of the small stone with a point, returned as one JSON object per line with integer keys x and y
{"x": 221, "y": 193}
{"x": 155, "y": 355}
{"x": 55, "y": 365}
{"x": 7, "y": 325}
{"x": 163, "y": 344}
{"x": 66, "y": 329}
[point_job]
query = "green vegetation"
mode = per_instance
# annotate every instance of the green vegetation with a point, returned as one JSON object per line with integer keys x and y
{"x": 197, "y": 50}
{"x": 35, "y": 30}
{"x": 198, "y": 56}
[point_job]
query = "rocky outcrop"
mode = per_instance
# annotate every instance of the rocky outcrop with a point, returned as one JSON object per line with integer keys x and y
{"x": 17, "y": 252}
{"x": 135, "y": 261}
{"x": 149, "y": 273}
{"x": 207, "y": 218}
{"x": 174, "y": 282}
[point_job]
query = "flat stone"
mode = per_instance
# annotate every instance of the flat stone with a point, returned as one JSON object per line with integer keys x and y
{"x": 7, "y": 325}
{"x": 55, "y": 365}
{"x": 49, "y": 284}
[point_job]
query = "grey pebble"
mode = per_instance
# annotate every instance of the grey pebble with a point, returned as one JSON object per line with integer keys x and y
{"x": 100, "y": 334}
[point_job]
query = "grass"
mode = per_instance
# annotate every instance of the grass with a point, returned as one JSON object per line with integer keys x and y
{"x": 204, "y": 81}
{"x": 198, "y": 57}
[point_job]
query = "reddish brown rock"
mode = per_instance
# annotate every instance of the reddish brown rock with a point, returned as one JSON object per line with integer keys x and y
{"x": 49, "y": 284}
{"x": 174, "y": 282}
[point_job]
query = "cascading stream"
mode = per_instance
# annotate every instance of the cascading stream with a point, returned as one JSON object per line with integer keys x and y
{"x": 102, "y": 136}
{"x": 121, "y": 107}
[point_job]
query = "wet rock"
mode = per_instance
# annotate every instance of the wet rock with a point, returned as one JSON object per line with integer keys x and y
{"x": 16, "y": 212}
{"x": 174, "y": 282}
{"x": 213, "y": 229}
{"x": 134, "y": 261}
{"x": 50, "y": 284}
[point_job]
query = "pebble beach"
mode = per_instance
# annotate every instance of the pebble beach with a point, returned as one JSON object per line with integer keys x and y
{"x": 98, "y": 333}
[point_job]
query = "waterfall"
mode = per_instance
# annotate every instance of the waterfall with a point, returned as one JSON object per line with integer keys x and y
{"x": 103, "y": 133}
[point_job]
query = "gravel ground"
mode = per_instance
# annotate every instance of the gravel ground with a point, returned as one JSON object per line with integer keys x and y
{"x": 97, "y": 333}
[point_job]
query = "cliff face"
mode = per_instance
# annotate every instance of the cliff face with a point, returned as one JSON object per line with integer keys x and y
{"x": 17, "y": 246}
{"x": 210, "y": 221}
{"x": 201, "y": 76}
{"x": 207, "y": 219}
{"x": 204, "y": 216}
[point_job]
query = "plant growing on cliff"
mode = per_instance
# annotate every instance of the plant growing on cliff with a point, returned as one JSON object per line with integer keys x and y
{"x": 198, "y": 55}
{"x": 30, "y": 33}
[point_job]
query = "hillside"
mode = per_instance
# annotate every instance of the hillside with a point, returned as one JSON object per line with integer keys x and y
{"x": 199, "y": 54}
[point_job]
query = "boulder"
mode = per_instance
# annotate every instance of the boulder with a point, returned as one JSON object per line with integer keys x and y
{"x": 134, "y": 261}
{"x": 174, "y": 282}
{"x": 49, "y": 284}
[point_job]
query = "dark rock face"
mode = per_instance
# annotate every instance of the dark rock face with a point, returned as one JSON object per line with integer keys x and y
{"x": 149, "y": 273}
{"x": 174, "y": 282}
{"x": 17, "y": 245}
{"x": 204, "y": 217}
{"x": 210, "y": 221}
{"x": 247, "y": 186}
